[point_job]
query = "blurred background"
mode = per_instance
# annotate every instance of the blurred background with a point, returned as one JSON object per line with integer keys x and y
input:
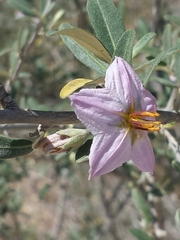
{"x": 49, "y": 197}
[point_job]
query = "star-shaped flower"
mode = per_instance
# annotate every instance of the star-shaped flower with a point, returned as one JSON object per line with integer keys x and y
{"x": 119, "y": 117}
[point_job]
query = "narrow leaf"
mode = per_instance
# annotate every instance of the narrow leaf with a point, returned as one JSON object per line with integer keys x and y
{"x": 173, "y": 19}
{"x": 42, "y": 5}
{"x": 173, "y": 50}
{"x": 177, "y": 218}
{"x": 107, "y": 23}
{"x": 166, "y": 38}
{"x": 14, "y": 147}
{"x": 51, "y": 33}
{"x": 163, "y": 81}
{"x": 77, "y": 83}
{"x": 83, "y": 151}
{"x": 22, "y": 38}
{"x": 140, "y": 235}
{"x": 176, "y": 66}
{"x": 13, "y": 56}
{"x": 125, "y": 46}
{"x": 151, "y": 51}
{"x": 83, "y": 54}
{"x": 176, "y": 165}
{"x": 88, "y": 41}
{"x": 161, "y": 56}
{"x": 82, "y": 159}
{"x": 154, "y": 63}
{"x": 55, "y": 18}
{"x": 46, "y": 6}
{"x": 4, "y": 51}
{"x": 142, "y": 43}
{"x": 142, "y": 27}
{"x": 23, "y": 6}
{"x": 141, "y": 204}
{"x": 72, "y": 86}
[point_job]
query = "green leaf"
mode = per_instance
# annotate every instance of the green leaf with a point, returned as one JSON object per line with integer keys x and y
{"x": 4, "y": 51}
{"x": 23, "y": 6}
{"x": 176, "y": 165}
{"x": 177, "y": 218}
{"x": 88, "y": 41}
{"x": 173, "y": 19}
{"x": 140, "y": 235}
{"x": 83, "y": 54}
{"x": 82, "y": 159}
{"x": 166, "y": 38}
{"x": 13, "y": 56}
{"x": 125, "y": 46}
{"x": 55, "y": 18}
{"x": 161, "y": 56}
{"x": 42, "y": 5}
{"x": 176, "y": 66}
{"x": 154, "y": 63}
{"x": 51, "y": 33}
{"x": 142, "y": 43}
{"x": 22, "y": 38}
{"x": 151, "y": 51}
{"x": 83, "y": 152}
{"x": 14, "y": 147}
{"x": 107, "y": 23}
{"x": 163, "y": 81}
{"x": 141, "y": 204}
{"x": 121, "y": 7}
{"x": 142, "y": 28}
{"x": 45, "y": 6}
{"x": 173, "y": 50}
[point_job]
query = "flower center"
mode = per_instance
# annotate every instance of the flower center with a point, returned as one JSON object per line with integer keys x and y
{"x": 141, "y": 120}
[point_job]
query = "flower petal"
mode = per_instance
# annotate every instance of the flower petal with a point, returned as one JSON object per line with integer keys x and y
{"x": 142, "y": 152}
{"x": 148, "y": 101}
{"x": 96, "y": 110}
{"x": 109, "y": 151}
{"x": 121, "y": 78}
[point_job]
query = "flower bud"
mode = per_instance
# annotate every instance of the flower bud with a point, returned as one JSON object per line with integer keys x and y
{"x": 62, "y": 141}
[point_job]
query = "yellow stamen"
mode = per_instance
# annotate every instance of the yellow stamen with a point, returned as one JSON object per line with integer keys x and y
{"x": 145, "y": 114}
{"x": 139, "y": 120}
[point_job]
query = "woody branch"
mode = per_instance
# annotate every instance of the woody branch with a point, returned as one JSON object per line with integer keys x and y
{"x": 13, "y": 114}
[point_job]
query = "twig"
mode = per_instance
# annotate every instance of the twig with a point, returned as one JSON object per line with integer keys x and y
{"x": 13, "y": 114}
{"x": 37, "y": 117}
{"x": 18, "y": 126}
{"x": 22, "y": 58}
{"x": 168, "y": 117}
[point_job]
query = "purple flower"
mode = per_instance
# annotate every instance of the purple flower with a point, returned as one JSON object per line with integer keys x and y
{"x": 119, "y": 117}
